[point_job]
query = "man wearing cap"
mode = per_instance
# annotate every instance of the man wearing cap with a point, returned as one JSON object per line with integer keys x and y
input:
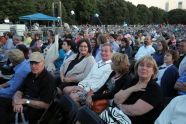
{"x": 37, "y": 90}
{"x": 7, "y": 89}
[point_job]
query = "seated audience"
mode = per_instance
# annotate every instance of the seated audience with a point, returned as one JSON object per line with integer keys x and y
{"x": 168, "y": 74}
{"x": 118, "y": 78}
{"x": 96, "y": 77}
{"x": 125, "y": 48}
{"x": 7, "y": 89}
{"x": 36, "y": 93}
{"x": 51, "y": 51}
{"x": 77, "y": 66}
{"x": 141, "y": 99}
{"x": 146, "y": 49}
{"x": 159, "y": 54}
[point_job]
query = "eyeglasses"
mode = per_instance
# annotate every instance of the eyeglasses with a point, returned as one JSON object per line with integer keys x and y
{"x": 83, "y": 46}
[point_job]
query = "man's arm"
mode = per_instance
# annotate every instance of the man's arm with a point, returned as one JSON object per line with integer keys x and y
{"x": 4, "y": 85}
{"x": 36, "y": 104}
{"x": 180, "y": 86}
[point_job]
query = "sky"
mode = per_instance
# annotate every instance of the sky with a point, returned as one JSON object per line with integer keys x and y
{"x": 149, "y": 3}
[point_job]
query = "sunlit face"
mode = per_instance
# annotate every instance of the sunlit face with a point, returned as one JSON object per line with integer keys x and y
{"x": 145, "y": 70}
{"x": 159, "y": 46}
{"x": 37, "y": 67}
{"x": 83, "y": 49}
{"x": 168, "y": 58}
{"x": 147, "y": 40}
{"x": 106, "y": 53}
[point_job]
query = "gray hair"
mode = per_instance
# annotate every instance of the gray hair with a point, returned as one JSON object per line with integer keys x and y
{"x": 17, "y": 37}
{"x": 16, "y": 56}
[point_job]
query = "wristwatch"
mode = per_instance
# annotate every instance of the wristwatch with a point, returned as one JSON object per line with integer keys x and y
{"x": 27, "y": 101}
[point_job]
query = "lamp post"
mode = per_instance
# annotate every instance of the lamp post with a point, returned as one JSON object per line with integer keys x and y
{"x": 73, "y": 14}
{"x": 6, "y": 20}
{"x": 97, "y": 16}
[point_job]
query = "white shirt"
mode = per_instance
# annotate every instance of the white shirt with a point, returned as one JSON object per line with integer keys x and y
{"x": 174, "y": 113}
{"x": 97, "y": 76}
{"x": 143, "y": 51}
{"x": 182, "y": 66}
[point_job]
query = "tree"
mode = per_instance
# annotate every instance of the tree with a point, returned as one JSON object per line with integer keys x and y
{"x": 144, "y": 14}
{"x": 13, "y": 8}
{"x": 177, "y": 16}
{"x": 85, "y": 9}
{"x": 69, "y": 5}
{"x": 133, "y": 17}
{"x": 158, "y": 15}
{"x": 113, "y": 11}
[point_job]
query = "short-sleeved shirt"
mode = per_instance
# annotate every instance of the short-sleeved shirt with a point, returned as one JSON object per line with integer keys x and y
{"x": 152, "y": 95}
{"x": 39, "y": 88}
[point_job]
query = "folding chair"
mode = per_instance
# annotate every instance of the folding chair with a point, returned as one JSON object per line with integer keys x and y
{"x": 62, "y": 110}
{"x": 87, "y": 116}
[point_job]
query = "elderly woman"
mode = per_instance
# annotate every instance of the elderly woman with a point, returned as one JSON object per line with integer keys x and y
{"x": 118, "y": 78}
{"x": 141, "y": 99}
{"x": 77, "y": 66}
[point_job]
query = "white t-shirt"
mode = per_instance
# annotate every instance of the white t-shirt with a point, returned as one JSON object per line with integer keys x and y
{"x": 143, "y": 51}
{"x": 174, "y": 113}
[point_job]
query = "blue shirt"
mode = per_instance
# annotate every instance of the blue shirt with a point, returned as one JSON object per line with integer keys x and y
{"x": 182, "y": 79}
{"x": 21, "y": 70}
{"x": 9, "y": 44}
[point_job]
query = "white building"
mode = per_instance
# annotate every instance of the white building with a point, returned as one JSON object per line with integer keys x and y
{"x": 163, "y": 4}
{"x": 175, "y": 4}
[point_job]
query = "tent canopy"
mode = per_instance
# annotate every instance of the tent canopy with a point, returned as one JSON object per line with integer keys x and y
{"x": 39, "y": 16}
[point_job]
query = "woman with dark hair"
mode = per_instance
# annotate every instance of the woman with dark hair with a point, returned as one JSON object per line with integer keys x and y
{"x": 125, "y": 47}
{"x": 77, "y": 66}
{"x": 168, "y": 74}
{"x": 159, "y": 54}
{"x": 36, "y": 43}
{"x": 94, "y": 46}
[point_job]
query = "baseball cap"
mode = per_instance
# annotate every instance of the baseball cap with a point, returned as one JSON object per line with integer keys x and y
{"x": 36, "y": 57}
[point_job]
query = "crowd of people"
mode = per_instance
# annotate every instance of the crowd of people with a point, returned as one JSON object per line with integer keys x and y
{"x": 139, "y": 69}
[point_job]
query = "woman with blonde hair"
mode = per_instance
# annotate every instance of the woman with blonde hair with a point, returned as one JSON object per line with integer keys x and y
{"x": 118, "y": 78}
{"x": 140, "y": 100}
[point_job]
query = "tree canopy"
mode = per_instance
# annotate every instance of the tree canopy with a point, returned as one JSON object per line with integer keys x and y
{"x": 110, "y": 11}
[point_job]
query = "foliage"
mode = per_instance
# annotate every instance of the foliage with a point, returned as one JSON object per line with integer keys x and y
{"x": 144, "y": 14}
{"x": 157, "y": 15}
{"x": 177, "y": 16}
{"x": 110, "y": 11}
{"x": 13, "y": 8}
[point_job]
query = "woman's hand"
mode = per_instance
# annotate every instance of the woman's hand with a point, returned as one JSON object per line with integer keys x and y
{"x": 137, "y": 87}
{"x": 119, "y": 97}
